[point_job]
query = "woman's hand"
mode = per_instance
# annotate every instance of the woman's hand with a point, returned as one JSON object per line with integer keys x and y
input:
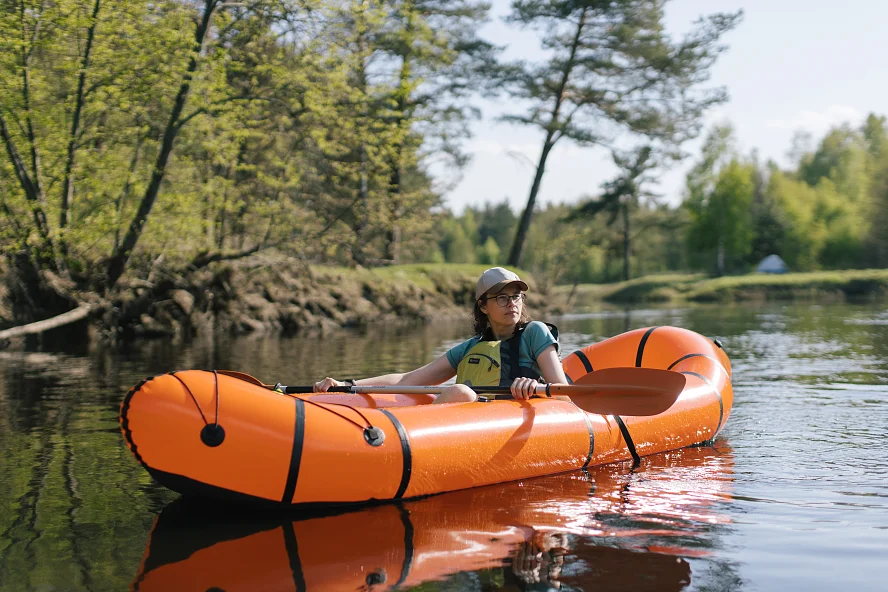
{"x": 524, "y": 388}
{"x": 326, "y": 384}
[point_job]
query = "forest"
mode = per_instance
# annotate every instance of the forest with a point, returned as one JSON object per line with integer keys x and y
{"x": 144, "y": 138}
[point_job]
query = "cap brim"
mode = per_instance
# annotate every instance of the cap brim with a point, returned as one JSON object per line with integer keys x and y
{"x": 497, "y": 288}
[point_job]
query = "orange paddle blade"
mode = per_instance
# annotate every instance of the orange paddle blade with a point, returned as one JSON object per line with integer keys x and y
{"x": 625, "y": 391}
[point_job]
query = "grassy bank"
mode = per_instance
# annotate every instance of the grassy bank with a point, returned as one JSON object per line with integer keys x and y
{"x": 274, "y": 293}
{"x": 280, "y": 294}
{"x": 820, "y": 285}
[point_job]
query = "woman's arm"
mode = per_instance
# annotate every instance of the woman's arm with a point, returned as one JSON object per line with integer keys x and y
{"x": 550, "y": 365}
{"x": 432, "y": 373}
{"x": 553, "y": 373}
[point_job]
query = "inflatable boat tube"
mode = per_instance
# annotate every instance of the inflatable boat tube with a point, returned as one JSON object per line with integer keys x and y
{"x": 209, "y": 433}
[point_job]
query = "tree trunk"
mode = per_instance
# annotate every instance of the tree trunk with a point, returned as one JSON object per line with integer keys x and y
{"x": 119, "y": 259}
{"x": 363, "y": 209}
{"x": 68, "y": 182}
{"x": 607, "y": 264}
{"x": 125, "y": 191}
{"x": 627, "y": 253}
{"x": 393, "y": 235}
{"x": 524, "y": 224}
{"x": 362, "y": 212}
{"x": 46, "y": 254}
{"x": 402, "y": 122}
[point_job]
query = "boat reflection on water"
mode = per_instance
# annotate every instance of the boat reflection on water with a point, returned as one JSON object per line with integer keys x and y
{"x": 608, "y": 528}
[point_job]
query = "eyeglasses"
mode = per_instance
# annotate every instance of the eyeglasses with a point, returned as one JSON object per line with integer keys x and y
{"x": 505, "y": 299}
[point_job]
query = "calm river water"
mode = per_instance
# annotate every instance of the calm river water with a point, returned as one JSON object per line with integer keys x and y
{"x": 792, "y": 496}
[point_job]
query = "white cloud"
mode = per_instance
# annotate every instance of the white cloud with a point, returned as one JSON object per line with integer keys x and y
{"x": 818, "y": 121}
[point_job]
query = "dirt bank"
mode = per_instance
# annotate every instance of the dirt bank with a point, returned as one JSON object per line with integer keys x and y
{"x": 279, "y": 295}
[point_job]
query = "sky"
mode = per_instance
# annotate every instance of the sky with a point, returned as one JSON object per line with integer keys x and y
{"x": 791, "y": 65}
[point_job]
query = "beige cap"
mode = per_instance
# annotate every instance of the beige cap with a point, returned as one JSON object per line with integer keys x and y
{"x": 496, "y": 277}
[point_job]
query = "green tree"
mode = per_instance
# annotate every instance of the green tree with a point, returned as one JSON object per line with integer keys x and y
{"x": 126, "y": 101}
{"x": 721, "y": 219}
{"x": 455, "y": 243}
{"x": 875, "y": 133}
{"x": 804, "y": 232}
{"x": 623, "y": 196}
{"x": 839, "y": 173}
{"x": 439, "y": 61}
{"x": 489, "y": 252}
{"x": 612, "y": 68}
{"x": 496, "y": 221}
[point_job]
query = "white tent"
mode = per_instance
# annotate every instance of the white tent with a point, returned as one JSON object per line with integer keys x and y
{"x": 772, "y": 264}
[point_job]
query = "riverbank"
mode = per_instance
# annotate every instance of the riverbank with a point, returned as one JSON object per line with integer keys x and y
{"x": 269, "y": 294}
{"x": 280, "y": 295}
{"x": 831, "y": 286}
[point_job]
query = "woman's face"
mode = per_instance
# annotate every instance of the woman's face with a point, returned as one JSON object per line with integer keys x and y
{"x": 503, "y": 315}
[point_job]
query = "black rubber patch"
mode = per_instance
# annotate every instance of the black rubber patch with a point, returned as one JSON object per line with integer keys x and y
{"x": 641, "y": 345}
{"x": 296, "y": 453}
{"x": 212, "y": 435}
{"x": 406, "y": 455}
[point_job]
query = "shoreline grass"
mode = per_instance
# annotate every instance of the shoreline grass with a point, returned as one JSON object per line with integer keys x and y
{"x": 818, "y": 285}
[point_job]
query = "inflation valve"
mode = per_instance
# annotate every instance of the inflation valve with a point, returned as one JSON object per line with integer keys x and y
{"x": 212, "y": 435}
{"x": 373, "y": 435}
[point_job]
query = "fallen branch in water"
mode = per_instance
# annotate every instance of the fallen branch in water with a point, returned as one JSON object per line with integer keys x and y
{"x": 72, "y": 316}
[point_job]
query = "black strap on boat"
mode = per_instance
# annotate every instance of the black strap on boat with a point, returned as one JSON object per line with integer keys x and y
{"x": 622, "y": 425}
{"x": 591, "y": 439}
{"x": 295, "y": 452}
{"x": 721, "y": 404}
{"x": 629, "y": 443}
{"x": 641, "y": 345}
{"x": 585, "y": 360}
{"x": 707, "y": 356}
{"x": 406, "y": 455}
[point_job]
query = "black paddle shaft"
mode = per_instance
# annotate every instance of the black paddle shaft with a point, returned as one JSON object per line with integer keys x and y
{"x": 304, "y": 390}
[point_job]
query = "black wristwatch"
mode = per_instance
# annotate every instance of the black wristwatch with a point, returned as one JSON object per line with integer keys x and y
{"x": 350, "y": 382}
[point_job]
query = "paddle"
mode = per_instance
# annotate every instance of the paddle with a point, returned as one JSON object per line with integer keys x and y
{"x": 610, "y": 391}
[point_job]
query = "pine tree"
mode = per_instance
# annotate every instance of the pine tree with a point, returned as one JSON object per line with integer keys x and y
{"x": 613, "y": 68}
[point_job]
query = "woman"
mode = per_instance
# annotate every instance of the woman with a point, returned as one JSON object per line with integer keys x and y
{"x": 503, "y": 332}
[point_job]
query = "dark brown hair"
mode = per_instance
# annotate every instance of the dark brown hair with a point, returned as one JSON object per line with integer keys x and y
{"x": 480, "y": 322}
